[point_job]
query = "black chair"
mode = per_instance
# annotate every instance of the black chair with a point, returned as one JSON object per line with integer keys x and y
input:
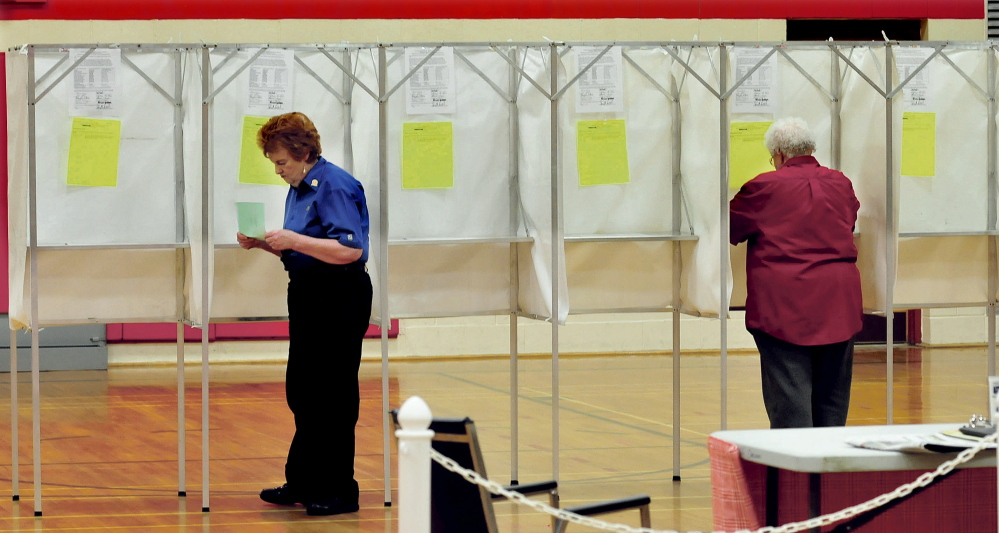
{"x": 458, "y": 506}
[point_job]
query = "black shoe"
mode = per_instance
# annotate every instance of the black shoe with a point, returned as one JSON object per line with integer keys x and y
{"x": 280, "y": 496}
{"x": 330, "y": 506}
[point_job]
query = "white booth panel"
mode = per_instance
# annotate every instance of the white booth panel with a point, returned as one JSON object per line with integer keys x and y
{"x": 800, "y": 97}
{"x": 609, "y": 276}
{"x": 481, "y": 202}
{"x": 229, "y": 107}
{"x": 955, "y": 198}
{"x": 449, "y": 280}
{"x": 142, "y": 207}
{"x": 107, "y": 286}
{"x": 942, "y": 271}
{"x": 644, "y": 204}
{"x": 249, "y": 284}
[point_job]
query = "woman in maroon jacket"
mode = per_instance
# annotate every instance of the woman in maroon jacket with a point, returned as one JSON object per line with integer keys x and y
{"x": 803, "y": 304}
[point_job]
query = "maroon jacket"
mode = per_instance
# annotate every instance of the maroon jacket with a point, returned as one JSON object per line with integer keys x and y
{"x": 801, "y": 266}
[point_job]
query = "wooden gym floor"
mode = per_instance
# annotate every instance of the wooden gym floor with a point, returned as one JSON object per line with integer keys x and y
{"x": 109, "y": 439}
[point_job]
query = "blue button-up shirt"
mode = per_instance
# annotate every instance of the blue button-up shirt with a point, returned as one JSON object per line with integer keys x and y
{"x": 328, "y": 204}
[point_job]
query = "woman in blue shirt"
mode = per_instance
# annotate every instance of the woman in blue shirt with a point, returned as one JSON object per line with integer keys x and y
{"x": 324, "y": 247}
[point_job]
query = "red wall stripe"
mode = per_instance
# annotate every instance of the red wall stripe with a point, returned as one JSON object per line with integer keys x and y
{"x": 914, "y": 326}
{"x": 859, "y": 9}
{"x": 489, "y": 9}
{"x": 233, "y": 331}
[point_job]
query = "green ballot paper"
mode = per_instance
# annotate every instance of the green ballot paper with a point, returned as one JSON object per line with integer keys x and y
{"x": 251, "y": 219}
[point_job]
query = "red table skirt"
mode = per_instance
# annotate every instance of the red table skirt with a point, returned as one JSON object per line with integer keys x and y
{"x": 964, "y": 502}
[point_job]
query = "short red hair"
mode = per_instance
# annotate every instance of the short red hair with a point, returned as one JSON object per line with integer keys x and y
{"x": 293, "y": 132}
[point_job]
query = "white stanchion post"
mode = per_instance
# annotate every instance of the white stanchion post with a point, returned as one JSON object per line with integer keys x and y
{"x": 414, "y": 466}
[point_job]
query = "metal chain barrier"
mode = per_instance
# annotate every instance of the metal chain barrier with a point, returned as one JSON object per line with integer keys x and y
{"x": 922, "y": 481}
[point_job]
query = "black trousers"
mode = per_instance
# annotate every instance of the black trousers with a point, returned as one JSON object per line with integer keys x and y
{"x": 805, "y": 386}
{"x": 328, "y": 313}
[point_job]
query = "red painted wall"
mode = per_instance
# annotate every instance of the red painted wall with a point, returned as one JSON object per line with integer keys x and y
{"x": 489, "y": 9}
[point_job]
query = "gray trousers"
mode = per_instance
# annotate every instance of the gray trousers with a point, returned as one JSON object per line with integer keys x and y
{"x": 805, "y": 386}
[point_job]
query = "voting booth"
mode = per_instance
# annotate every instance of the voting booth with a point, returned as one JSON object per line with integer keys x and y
{"x": 99, "y": 211}
{"x": 528, "y": 180}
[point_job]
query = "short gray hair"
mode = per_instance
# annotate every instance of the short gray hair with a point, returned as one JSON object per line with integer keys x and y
{"x": 789, "y": 136}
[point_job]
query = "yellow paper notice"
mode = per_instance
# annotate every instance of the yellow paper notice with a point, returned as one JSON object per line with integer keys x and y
{"x": 747, "y": 156}
{"x": 93, "y": 152}
{"x": 602, "y": 152}
{"x": 253, "y": 166}
{"x": 427, "y": 155}
{"x": 919, "y": 144}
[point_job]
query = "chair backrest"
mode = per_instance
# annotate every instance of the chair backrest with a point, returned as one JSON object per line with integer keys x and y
{"x": 457, "y": 505}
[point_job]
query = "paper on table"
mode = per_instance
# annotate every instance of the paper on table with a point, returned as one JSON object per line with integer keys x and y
{"x": 251, "y": 219}
{"x": 932, "y": 443}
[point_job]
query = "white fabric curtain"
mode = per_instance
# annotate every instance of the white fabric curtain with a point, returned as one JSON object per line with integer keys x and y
{"x": 17, "y": 189}
{"x": 193, "y": 197}
{"x": 863, "y": 115}
{"x": 364, "y": 154}
{"x": 700, "y": 166}
{"x": 536, "y": 260}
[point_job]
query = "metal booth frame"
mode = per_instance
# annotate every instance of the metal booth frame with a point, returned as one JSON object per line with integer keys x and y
{"x": 556, "y": 89}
